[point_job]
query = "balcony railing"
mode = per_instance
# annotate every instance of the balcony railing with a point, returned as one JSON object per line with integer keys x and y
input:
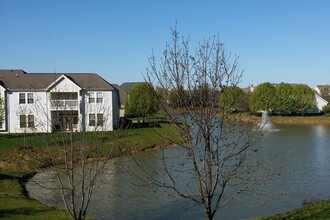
{"x": 64, "y": 104}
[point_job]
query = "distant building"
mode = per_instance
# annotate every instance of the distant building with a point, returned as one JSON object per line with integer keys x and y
{"x": 249, "y": 89}
{"x": 128, "y": 86}
{"x": 123, "y": 94}
{"x": 320, "y": 102}
{"x": 322, "y": 91}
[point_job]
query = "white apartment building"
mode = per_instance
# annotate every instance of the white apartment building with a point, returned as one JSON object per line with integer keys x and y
{"x": 50, "y": 102}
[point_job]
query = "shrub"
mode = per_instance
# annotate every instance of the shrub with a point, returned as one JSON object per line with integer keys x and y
{"x": 326, "y": 109}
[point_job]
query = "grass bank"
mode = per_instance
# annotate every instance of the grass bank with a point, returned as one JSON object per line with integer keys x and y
{"x": 275, "y": 119}
{"x": 15, "y": 166}
{"x": 15, "y": 204}
{"x": 322, "y": 119}
{"x": 313, "y": 210}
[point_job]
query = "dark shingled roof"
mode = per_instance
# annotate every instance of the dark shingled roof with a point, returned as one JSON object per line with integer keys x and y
{"x": 122, "y": 94}
{"x": 323, "y": 86}
{"x": 128, "y": 86}
{"x": 20, "y": 80}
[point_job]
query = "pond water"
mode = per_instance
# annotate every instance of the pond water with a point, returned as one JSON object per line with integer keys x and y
{"x": 306, "y": 176}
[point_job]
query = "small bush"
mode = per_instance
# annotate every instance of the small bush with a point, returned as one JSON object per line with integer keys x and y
{"x": 326, "y": 109}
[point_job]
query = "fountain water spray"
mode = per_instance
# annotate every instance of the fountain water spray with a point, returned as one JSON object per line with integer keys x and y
{"x": 265, "y": 125}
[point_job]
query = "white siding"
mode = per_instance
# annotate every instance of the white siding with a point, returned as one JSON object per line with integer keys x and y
{"x": 320, "y": 102}
{"x": 105, "y": 107}
{"x": 38, "y": 109}
{"x": 317, "y": 89}
{"x": 2, "y": 97}
{"x": 63, "y": 84}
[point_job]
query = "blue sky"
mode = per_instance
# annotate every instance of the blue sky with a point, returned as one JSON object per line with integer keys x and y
{"x": 276, "y": 40}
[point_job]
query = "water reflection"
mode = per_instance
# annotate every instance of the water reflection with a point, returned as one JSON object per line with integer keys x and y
{"x": 306, "y": 176}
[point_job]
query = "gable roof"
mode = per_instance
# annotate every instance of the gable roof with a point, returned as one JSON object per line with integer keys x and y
{"x": 89, "y": 81}
{"x": 128, "y": 86}
{"x": 1, "y": 84}
{"x": 58, "y": 80}
{"x": 323, "y": 88}
{"x": 20, "y": 80}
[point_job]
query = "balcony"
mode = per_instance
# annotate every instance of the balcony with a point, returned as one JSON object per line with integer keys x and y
{"x": 65, "y": 104}
{"x": 64, "y": 101}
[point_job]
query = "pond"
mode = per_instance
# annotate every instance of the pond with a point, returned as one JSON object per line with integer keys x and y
{"x": 306, "y": 176}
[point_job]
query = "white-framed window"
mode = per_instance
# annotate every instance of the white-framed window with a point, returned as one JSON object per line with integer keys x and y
{"x": 1, "y": 124}
{"x": 31, "y": 121}
{"x": 99, "y": 120}
{"x": 99, "y": 97}
{"x": 26, "y": 121}
{"x": 22, "y": 121}
{"x": 21, "y": 98}
{"x": 91, "y": 97}
{"x": 30, "y": 98}
{"x": 91, "y": 119}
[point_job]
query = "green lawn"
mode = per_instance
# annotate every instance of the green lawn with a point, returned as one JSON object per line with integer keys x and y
{"x": 14, "y": 204}
{"x": 10, "y": 142}
{"x": 320, "y": 210}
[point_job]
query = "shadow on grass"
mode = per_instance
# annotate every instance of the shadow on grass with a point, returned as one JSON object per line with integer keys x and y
{"x": 14, "y": 212}
{"x": 22, "y": 180}
{"x": 7, "y": 177}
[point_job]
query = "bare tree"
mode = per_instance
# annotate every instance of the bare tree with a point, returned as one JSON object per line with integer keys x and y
{"x": 77, "y": 159}
{"x": 217, "y": 149}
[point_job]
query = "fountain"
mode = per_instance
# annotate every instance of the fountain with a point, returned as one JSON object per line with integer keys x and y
{"x": 265, "y": 125}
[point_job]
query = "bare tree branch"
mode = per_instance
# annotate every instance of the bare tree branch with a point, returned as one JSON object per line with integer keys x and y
{"x": 216, "y": 149}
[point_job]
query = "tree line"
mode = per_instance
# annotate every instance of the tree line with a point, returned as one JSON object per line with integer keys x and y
{"x": 283, "y": 99}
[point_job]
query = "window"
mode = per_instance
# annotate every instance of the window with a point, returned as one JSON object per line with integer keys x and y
{"x": 75, "y": 119}
{"x": 31, "y": 121}
{"x": 99, "y": 119}
{"x": 91, "y": 97}
{"x": 21, "y": 98}
{"x": 91, "y": 119}
{"x": 1, "y": 125}
{"x": 30, "y": 98}
{"x": 22, "y": 121}
{"x": 99, "y": 97}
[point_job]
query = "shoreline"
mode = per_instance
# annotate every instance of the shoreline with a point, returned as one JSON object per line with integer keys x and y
{"x": 300, "y": 120}
{"x": 293, "y": 120}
